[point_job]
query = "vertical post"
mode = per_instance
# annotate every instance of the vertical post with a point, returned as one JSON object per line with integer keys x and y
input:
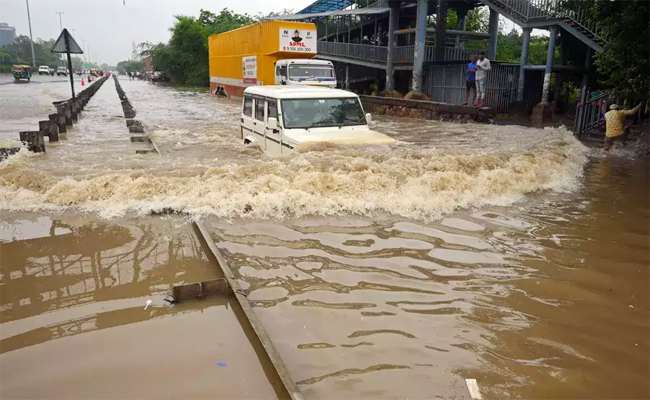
{"x": 462, "y": 24}
{"x": 393, "y": 22}
{"x": 523, "y": 63}
{"x": 347, "y": 76}
{"x": 583, "y": 95}
{"x": 549, "y": 63}
{"x": 418, "y": 52}
{"x": 559, "y": 76}
{"x": 337, "y": 28}
{"x": 441, "y": 14}
{"x": 349, "y": 24}
{"x": 31, "y": 39}
{"x": 493, "y": 30}
{"x": 70, "y": 74}
{"x": 361, "y": 30}
{"x": 377, "y": 41}
{"x": 327, "y": 21}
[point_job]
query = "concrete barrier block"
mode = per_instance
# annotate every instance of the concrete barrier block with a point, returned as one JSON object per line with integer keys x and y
{"x": 34, "y": 140}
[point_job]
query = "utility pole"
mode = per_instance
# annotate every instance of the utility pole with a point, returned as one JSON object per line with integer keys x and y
{"x": 83, "y": 47}
{"x": 31, "y": 39}
{"x": 60, "y": 23}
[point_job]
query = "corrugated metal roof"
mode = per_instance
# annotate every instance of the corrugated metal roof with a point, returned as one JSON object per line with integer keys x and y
{"x": 358, "y": 11}
{"x": 320, "y": 6}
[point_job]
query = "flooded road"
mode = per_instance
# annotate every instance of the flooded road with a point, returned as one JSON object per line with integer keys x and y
{"x": 513, "y": 256}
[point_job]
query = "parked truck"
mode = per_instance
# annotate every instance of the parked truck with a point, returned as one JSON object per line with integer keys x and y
{"x": 267, "y": 53}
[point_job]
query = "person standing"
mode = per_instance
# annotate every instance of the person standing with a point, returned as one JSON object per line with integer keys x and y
{"x": 482, "y": 66}
{"x": 614, "y": 130}
{"x": 470, "y": 81}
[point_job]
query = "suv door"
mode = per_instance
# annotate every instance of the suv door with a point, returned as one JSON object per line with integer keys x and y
{"x": 274, "y": 135}
{"x": 247, "y": 121}
{"x": 259, "y": 126}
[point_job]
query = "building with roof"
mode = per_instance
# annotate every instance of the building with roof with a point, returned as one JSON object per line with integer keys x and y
{"x": 405, "y": 45}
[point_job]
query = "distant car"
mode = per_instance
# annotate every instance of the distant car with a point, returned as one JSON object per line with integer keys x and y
{"x": 61, "y": 71}
{"x": 43, "y": 69}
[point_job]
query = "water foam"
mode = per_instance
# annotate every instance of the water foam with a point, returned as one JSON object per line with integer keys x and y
{"x": 318, "y": 180}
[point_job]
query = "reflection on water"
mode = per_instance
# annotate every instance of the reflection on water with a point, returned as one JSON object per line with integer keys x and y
{"x": 72, "y": 296}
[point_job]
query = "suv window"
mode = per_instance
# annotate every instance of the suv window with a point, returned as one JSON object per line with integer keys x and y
{"x": 259, "y": 109}
{"x": 273, "y": 109}
{"x": 248, "y": 106}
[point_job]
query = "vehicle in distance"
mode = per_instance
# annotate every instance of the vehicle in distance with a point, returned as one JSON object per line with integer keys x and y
{"x": 280, "y": 118}
{"x": 44, "y": 69}
{"x": 61, "y": 71}
{"x": 21, "y": 72}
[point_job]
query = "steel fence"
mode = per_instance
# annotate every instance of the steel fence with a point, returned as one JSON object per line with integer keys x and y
{"x": 446, "y": 83}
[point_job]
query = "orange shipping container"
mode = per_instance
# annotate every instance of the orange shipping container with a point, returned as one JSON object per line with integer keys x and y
{"x": 246, "y": 56}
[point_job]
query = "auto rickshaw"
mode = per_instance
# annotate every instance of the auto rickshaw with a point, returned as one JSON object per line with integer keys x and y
{"x": 21, "y": 72}
{"x": 94, "y": 72}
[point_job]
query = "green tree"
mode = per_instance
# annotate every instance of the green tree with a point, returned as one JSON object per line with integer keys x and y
{"x": 185, "y": 58}
{"x": 624, "y": 63}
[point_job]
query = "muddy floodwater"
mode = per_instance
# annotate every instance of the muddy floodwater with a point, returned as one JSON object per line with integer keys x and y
{"x": 514, "y": 256}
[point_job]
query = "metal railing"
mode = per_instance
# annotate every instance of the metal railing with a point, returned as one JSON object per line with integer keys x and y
{"x": 446, "y": 83}
{"x": 403, "y": 54}
{"x": 571, "y": 10}
{"x": 352, "y": 50}
{"x": 590, "y": 115}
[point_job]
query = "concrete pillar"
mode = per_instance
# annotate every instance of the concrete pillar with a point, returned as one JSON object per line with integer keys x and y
{"x": 559, "y": 76}
{"x": 493, "y": 30}
{"x": 418, "y": 53}
{"x": 523, "y": 63}
{"x": 441, "y": 13}
{"x": 393, "y": 23}
{"x": 347, "y": 76}
{"x": 549, "y": 63}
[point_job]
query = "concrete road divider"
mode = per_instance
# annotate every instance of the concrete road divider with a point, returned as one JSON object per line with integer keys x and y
{"x": 67, "y": 113}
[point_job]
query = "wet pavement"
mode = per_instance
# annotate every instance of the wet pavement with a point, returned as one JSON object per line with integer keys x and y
{"x": 513, "y": 256}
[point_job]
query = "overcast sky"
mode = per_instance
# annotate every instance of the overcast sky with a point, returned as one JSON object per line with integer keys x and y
{"x": 109, "y": 28}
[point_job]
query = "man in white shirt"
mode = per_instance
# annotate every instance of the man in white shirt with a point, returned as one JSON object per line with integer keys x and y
{"x": 482, "y": 66}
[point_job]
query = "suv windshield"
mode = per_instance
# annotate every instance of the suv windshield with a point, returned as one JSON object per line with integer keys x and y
{"x": 311, "y": 113}
{"x": 299, "y": 72}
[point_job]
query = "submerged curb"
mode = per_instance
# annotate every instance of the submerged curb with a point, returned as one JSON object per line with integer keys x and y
{"x": 136, "y": 127}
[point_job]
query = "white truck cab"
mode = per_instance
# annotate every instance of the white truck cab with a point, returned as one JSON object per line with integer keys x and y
{"x": 280, "y": 118}
{"x": 305, "y": 72}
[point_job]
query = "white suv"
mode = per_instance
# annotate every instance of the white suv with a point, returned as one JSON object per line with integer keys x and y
{"x": 43, "y": 69}
{"x": 61, "y": 71}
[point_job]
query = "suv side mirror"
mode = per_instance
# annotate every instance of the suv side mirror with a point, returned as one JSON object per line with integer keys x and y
{"x": 272, "y": 123}
{"x": 368, "y": 118}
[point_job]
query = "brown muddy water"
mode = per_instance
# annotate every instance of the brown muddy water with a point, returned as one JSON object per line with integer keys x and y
{"x": 513, "y": 256}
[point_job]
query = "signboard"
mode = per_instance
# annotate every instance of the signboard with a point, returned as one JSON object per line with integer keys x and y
{"x": 65, "y": 43}
{"x": 298, "y": 40}
{"x": 249, "y": 65}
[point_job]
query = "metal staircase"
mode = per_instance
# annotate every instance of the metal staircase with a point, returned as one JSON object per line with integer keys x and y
{"x": 567, "y": 14}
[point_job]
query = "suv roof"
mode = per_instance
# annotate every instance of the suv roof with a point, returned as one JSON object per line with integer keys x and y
{"x": 298, "y": 92}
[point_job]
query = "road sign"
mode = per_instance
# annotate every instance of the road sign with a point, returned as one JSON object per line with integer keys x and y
{"x": 66, "y": 43}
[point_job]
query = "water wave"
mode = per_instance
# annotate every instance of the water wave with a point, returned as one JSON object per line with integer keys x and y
{"x": 319, "y": 180}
